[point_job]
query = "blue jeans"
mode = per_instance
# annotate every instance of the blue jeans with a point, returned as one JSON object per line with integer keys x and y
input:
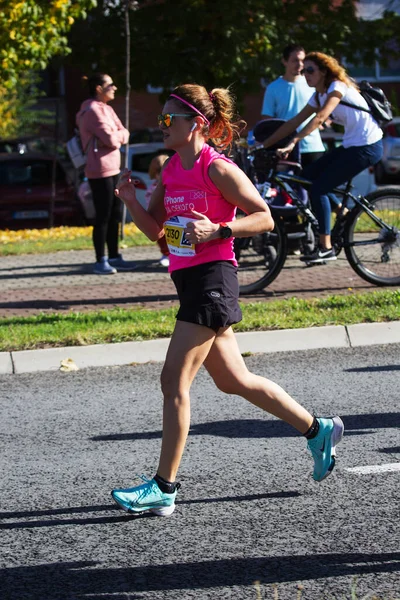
{"x": 333, "y": 169}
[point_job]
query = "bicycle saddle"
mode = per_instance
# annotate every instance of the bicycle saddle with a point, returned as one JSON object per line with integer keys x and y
{"x": 263, "y": 129}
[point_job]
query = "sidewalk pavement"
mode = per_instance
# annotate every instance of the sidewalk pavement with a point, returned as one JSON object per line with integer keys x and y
{"x": 63, "y": 282}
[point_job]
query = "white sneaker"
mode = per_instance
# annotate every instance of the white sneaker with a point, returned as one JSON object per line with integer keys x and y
{"x": 319, "y": 255}
{"x": 164, "y": 261}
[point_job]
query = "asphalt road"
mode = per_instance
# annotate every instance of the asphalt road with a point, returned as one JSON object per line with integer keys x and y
{"x": 248, "y": 510}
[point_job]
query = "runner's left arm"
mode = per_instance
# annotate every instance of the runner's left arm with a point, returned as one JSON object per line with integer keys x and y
{"x": 238, "y": 190}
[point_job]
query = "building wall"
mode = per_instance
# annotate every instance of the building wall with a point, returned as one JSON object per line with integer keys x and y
{"x": 144, "y": 107}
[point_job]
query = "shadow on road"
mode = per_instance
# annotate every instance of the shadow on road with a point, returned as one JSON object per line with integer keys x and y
{"x": 117, "y": 516}
{"x": 67, "y": 304}
{"x": 71, "y": 580}
{"x": 259, "y": 428}
{"x": 65, "y": 269}
{"x": 373, "y": 369}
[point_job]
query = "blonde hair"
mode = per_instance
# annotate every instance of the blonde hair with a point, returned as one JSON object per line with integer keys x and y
{"x": 156, "y": 165}
{"x": 217, "y": 107}
{"x": 334, "y": 71}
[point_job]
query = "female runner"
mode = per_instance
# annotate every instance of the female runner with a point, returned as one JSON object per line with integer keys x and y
{"x": 195, "y": 204}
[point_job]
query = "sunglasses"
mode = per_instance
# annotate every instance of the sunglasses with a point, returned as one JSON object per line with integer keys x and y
{"x": 309, "y": 70}
{"x": 166, "y": 120}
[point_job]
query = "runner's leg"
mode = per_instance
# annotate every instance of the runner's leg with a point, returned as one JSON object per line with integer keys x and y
{"x": 229, "y": 372}
{"x": 189, "y": 346}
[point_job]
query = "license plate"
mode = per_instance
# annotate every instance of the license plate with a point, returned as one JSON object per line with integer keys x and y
{"x": 31, "y": 214}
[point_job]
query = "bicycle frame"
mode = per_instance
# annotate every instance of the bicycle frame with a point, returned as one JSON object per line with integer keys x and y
{"x": 285, "y": 179}
{"x": 262, "y": 260}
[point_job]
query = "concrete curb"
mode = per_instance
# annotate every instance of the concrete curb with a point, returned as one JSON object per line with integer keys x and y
{"x": 107, "y": 355}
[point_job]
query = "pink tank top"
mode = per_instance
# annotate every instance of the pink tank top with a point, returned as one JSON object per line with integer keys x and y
{"x": 187, "y": 190}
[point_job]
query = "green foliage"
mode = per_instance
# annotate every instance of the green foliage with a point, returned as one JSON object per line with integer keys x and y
{"x": 377, "y": 39}
{"x": 17, "y": 112}
{"x": 32, "y": 31}
{"x": 223, "y": 43}
{"x": 95, "y": 48}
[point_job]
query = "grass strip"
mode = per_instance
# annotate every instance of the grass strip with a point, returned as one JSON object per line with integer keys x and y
{"x": 122, "y": 325}
{"x": 57, "y": 239}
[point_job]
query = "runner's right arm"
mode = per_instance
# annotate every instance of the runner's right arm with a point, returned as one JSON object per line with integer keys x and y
{"x": 141, "y": 217}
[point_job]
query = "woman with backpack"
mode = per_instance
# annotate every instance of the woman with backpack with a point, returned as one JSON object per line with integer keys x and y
{"x": 102, "y": 135}
{"x": 336, "y": 97}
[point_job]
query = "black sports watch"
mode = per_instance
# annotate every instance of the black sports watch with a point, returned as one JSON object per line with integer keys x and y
{"x": 225, "y": 232}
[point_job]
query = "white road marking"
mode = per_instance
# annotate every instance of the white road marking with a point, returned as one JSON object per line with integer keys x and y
{"x": 388, "y": 468}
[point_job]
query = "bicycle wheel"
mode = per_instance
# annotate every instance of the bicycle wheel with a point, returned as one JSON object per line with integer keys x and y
{"x": 372, "y": 250}
{"x": 260, "y": 258}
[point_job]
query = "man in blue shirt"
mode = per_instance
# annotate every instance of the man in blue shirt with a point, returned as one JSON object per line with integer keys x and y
{"x": 285, "y": 97}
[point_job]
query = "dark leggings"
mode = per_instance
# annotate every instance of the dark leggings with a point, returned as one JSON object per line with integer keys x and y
{"x": 333, "y": 169}
{"x": 307, "y": 159}
{"x": 108, "y": 216}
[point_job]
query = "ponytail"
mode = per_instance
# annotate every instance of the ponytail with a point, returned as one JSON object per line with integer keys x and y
{"x": 217, "y": 107}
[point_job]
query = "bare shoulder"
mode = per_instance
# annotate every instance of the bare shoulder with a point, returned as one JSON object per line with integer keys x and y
{"x": 220, "y": 169}
{"x": 235, "y": 186}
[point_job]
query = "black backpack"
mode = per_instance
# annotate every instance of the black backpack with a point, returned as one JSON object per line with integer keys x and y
{"x": 379, "y": 106}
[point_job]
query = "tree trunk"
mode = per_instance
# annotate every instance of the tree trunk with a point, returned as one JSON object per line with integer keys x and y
{"x": 127, "y": 100}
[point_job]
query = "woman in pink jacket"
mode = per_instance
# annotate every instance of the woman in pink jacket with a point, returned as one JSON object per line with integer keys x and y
{"x": 102, "y": 135}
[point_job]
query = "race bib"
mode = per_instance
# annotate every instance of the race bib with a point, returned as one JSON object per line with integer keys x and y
{"x": 174, "y": 230}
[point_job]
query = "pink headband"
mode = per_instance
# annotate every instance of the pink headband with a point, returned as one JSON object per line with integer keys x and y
{"x": 190, "y": 106}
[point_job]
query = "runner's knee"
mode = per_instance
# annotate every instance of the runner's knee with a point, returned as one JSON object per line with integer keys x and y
{"x": 173, "y": 386}
{"x": 231, "y": 384}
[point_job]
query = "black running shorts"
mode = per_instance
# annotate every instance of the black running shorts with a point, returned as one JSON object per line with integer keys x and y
{"x": 208, "y": 294}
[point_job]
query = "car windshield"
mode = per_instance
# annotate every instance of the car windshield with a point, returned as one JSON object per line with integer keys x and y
{"x": 29, "y": 173}
{"x": 141, "y": 162}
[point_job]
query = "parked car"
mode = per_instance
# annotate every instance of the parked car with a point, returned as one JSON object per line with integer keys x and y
{"x": 26, "y": 192}
{"x": 24, "y": 144}
{"x": 388, "y": 169}
{"x": 364, "y": 183}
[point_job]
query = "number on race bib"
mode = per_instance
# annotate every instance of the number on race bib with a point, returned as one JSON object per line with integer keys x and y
{"x": 175, "y": 236}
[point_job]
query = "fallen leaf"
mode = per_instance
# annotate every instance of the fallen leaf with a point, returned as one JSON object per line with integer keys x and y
{"x": 68, "y": 365}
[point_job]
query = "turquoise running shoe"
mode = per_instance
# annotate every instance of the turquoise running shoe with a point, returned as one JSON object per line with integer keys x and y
{"x": 323, "y": 446}
{"x": 146, "y": 497}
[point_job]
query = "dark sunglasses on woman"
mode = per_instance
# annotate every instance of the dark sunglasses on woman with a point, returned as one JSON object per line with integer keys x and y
{"x": 309, "y": 70}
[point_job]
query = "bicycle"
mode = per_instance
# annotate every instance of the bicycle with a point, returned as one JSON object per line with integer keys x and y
{"x": 368, "y": 232}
